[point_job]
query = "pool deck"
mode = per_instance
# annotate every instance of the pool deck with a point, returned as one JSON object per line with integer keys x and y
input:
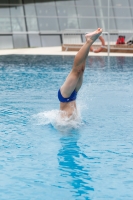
{"x": 54, "y": 51}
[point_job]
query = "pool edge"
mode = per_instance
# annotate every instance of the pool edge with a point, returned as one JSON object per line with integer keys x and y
{"x": 54, "y": 51}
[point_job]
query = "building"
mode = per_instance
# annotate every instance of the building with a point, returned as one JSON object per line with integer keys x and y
{"x": 40, "y": 23}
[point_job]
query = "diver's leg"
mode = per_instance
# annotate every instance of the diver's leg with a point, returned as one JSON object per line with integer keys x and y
{"x": 80, "y": 80}
{"x": 79, "y": 64}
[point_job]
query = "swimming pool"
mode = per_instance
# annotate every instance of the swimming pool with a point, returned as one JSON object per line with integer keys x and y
{"x": 91, "y": 160}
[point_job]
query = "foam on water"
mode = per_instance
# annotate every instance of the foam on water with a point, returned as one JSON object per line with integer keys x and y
{"x": 54, "y": 118}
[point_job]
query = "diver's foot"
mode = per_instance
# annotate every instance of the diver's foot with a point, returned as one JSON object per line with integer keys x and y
{"x": 91, "y": 37}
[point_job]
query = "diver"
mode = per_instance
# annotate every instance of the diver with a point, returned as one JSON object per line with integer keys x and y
{"x": 68, "y": 91}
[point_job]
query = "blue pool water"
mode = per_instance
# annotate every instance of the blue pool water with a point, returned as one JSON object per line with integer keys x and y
{"x": 90, "y": 159}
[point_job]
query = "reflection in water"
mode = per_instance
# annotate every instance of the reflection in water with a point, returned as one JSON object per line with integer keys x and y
{"x": 96, "y": 61}
{"x": 120, "y": 62}
{"x": 71, "y": 165}
{"x": 108, "y": 61}
{"x": 100, "y": 61}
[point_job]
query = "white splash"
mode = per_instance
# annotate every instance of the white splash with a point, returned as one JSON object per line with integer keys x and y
{"x": 54, "y": 118}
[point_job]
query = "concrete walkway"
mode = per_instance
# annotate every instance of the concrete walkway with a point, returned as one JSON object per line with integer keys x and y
{"x": 54, "y": 51}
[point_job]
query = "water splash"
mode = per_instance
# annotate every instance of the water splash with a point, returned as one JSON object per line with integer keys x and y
{"x": 54, "y": 118}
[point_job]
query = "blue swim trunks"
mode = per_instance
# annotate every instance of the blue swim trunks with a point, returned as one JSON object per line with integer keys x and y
{"x": 71, "y": 98}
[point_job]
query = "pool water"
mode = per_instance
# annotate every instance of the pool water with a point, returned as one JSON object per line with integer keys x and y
{"x": 90, "y": 159}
